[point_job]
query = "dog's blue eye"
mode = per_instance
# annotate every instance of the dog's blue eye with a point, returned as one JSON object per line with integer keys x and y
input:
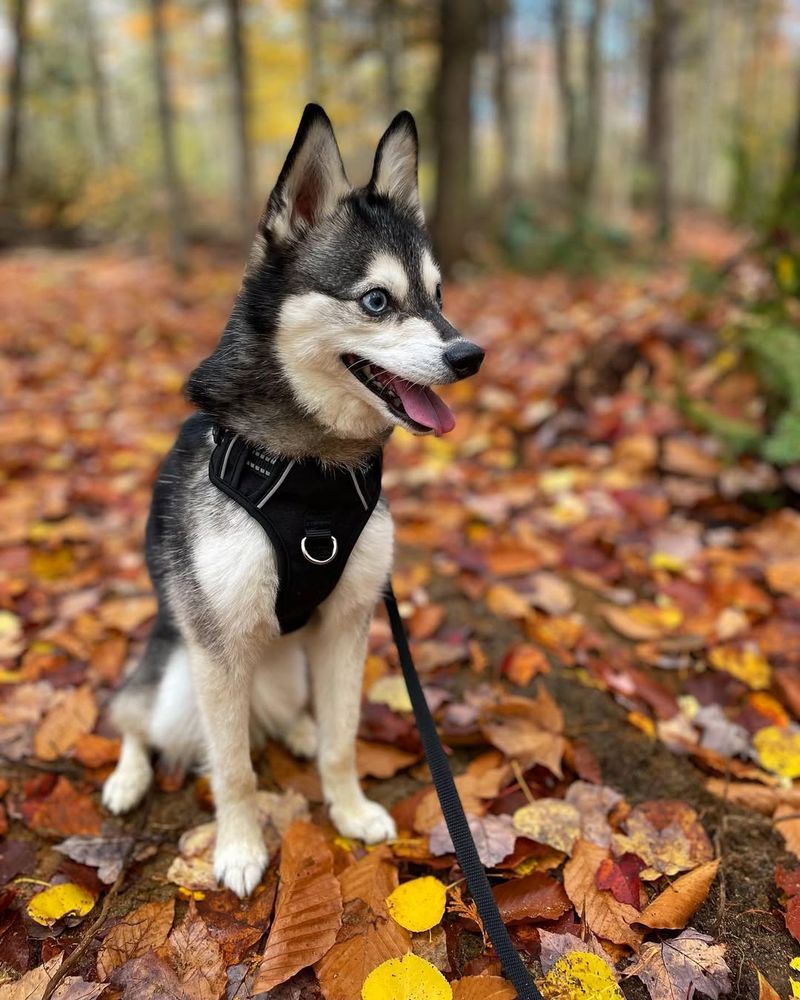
{"x": 375, "y": 301}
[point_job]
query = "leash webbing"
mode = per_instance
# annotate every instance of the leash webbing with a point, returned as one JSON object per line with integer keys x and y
{"x": 456, "y": 821}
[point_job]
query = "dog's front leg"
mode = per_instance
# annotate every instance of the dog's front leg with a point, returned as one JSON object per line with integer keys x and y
{"x": 337, "y": 648}
{"x": 223, "y": 686}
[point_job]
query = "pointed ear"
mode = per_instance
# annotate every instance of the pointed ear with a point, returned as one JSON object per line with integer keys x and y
{"x": 394, "y": 173}
{"x": 311, "y": 182}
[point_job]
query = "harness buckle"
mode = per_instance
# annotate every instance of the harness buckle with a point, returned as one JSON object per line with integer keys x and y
{"x": 320, "y": 562}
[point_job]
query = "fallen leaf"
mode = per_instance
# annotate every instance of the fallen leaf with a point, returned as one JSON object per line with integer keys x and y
{"x": 92, "y": 750}
{"x": 778, "y": 750}
{"x": 33, "y": 984}
{"x": 372, "y": 878}
{"x": 580, "y": 975}
{"x": 604, "y": 915}
{"x": 381, "y": 760}
{"x": 391, "y": 691}
{"x": 237, "y": 924}
{"x": 57, "y": 901}
{"x": 621, "y": 877}
{"x": 787, "y": 823}
{"x": 642, "y": 622}
{"x": 106, "y": 854}
{"x": 783, "y": 576}
{"x": 523, "y": 662}
{"x": 144, "y": 929}
{"x": 309, "y": 908}
{"x": 667, "y": 835}
{"x": 73, "y": 716}
{"x": 126, "y": 614}
{"x": 196, "y": 957}
{"x": 63, "y": 812}
{"x": 17, "y": 857}
{"x": 549, "y": 821}
{"x": 681, "y": 966}
{"x": 494, "y": 838}
{"x": 745, "y": 664}
{"x": 533, "y": 897}
{"x": 419, "y": 904}
{"x": 550, "y": 593}
{"x": 556, "y": 946}
{"x": 344, "y": 968}
{"x": 148, "y": 977}
{"x": 407, "y": 978}
{"x": 527, "y": 729}
{"x": 677, "y": 904}
{"x": 483, "y": 988}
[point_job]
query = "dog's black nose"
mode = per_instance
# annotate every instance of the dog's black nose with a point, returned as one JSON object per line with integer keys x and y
{"x": 464, "y": 358}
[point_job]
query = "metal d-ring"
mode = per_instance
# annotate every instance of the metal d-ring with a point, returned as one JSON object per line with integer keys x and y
{"x": 319, "y": 562}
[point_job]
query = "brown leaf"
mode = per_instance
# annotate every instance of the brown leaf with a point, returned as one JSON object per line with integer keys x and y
{"x": 533, "y": 897}
{"x": 142, "y": 930}
{"x": 677, "y": 904}
{"x": 126, "y": 614}
{"x": 196, "y": 957}
{"x": 483, "y": 988}
{"x": 787, "y": 824}
{"x": 765, "y": 991}
{"x": 667, "y": 835}
{"x": 344, "y": 968}
{"x": 148, "y": 978}
{"x": 523, "y": 662}
{"x": 527, "y": 729}
{"x": 74, "y": 716}
{"x": 63, "y": 812}
{"x": 96, "y": 751}
{"x": 309, "y": 910}
{"x": 372, "y": 879}
{"x": 381, "y": 760}
{"x": 605, "y": 917}
{"x": 754, "y": 795}
{"x": 34, "y": 983}
{"x": 236, "y": 924}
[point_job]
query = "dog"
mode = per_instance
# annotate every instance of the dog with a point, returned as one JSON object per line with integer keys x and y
{"x": 336, "y": 337}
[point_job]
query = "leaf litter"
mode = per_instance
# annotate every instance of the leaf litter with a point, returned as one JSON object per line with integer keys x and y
{"x": 590, "y": 550}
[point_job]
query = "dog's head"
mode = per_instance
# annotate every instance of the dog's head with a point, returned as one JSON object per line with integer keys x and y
{"x": 342, "y": 297}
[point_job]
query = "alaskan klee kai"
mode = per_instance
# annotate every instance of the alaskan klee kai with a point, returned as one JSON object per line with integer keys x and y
{"x": 336, "y": 337}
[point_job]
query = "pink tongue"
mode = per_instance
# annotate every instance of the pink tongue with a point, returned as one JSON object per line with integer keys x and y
{"x": 423, "y": 405}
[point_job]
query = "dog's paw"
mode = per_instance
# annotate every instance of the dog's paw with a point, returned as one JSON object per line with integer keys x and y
{"x": 368, "y": 822}
{"x": 239, "y": 864}
{"x": 301, "y": 737}
{"x": 126, "y": 785}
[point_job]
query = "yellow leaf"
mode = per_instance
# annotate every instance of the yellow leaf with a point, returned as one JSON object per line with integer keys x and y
{"x": 57, "y": 901}
{"x": 418, "y": 905}
{"x": 391, "y": 691}
{"x": 668, "y": 562}
{"x": 406, "y": 978}
{"x": 746, "y": 665}
{"x": 580, "y": 976}
{"x": 778, "y": 750}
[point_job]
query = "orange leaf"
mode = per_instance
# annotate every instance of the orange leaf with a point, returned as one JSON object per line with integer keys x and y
{"x": 605, "y": 917}
{"x": 676, "y": 905}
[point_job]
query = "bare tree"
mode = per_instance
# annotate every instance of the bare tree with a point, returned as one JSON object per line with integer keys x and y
{"x": 244, "y": 160}
{"x": 99, "y": 85}
{"x": 458, "y": 24}
{"x": 172, "y": 180}
{"x": 500, "y": 44}
{"x": 16, "y": 84}
{"x": 581, "y": 105}
{"x": 664, "y": 20}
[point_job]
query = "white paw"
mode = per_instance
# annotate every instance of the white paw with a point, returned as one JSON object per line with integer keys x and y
{"x": 239, "y": 864}
{"x": 125, "y": 787}
{"x": 368, "y": 822}
{"x": 301, "y": 737}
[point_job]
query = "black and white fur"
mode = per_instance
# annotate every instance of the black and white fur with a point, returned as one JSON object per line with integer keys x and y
{"x": 216, "y": 669}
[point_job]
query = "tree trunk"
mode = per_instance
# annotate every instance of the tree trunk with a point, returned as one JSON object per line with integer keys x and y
{"x": 244, "y": 161}
{"x": 659, "y": 123}
{"x": 172, "y": 181}
{"x": 102, "y": 118}
{"x": 459, "y": 20}
{"x": 500, "y": 44}
{"x": 314, "y": 51}
{"x": 391, "y": 45}
{"x": 16, "y": 83}
{"x": 580, "y": 107}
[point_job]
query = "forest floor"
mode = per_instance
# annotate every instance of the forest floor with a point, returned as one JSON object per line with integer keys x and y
{"x": 605, "y": 609}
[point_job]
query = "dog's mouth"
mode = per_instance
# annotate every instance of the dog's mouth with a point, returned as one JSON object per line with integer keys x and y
{"x": 416, "y": 406}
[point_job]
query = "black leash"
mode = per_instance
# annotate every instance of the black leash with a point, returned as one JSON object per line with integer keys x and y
{"x": 456, "y": 821}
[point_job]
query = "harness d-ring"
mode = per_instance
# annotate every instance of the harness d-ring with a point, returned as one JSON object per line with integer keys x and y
{"x": 320, "y": 562}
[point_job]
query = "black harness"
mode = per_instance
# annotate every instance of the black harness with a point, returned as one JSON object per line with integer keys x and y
{"x": 312, "y": 514}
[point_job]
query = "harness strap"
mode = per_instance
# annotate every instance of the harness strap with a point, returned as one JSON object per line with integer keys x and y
{"x": 456, "y": 821}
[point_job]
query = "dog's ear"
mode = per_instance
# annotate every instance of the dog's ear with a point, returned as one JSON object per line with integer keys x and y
{"x": 394, "y": 173}
{"x": 311, "y": 182}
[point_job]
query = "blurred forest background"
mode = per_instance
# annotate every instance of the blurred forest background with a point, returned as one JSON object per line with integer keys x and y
{"x": 552, "y": 130}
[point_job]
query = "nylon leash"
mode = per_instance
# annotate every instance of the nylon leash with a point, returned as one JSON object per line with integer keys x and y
{"x": 453, "y": 812}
